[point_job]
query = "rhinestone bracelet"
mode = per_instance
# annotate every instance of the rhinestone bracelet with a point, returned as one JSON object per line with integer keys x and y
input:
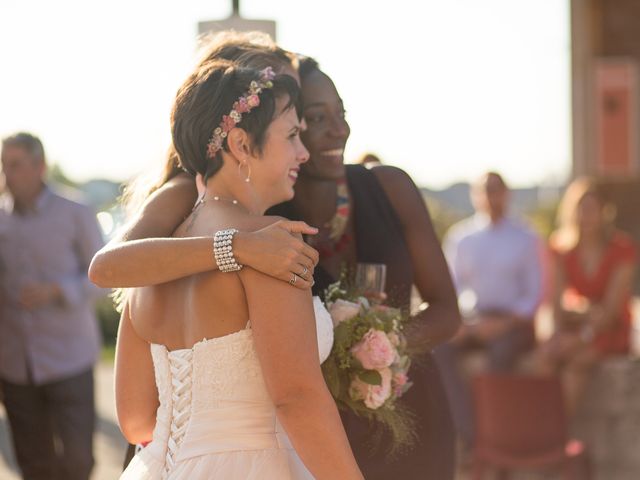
{"x": 223, "y": 250}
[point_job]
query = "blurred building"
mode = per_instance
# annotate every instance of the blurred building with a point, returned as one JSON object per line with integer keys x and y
{"x": 238, "y": 23}
{"x": 605, "y": 42}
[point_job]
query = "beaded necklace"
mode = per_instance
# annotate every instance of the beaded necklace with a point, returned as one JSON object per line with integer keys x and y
{"x": 338, "y": 239}
{"x": 203, "y": 198}
{"x": 217, "y": 198}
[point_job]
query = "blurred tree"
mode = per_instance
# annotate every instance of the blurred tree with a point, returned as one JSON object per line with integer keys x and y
{"x": 543, "y": 218}
{"x": 442, "y": 215}
{"x": 57, "y": 175}
{"x": 108, "y": 318}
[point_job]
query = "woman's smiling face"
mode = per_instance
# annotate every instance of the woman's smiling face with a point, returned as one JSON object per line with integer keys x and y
{"x": 327, "y": 129}
{"x": 275, "y": 172}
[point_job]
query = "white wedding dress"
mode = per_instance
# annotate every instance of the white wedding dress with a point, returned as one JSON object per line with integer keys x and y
{"x": 215, "y": 419}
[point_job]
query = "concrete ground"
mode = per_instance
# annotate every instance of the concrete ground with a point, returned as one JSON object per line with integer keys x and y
{"x": 109, "y": 445}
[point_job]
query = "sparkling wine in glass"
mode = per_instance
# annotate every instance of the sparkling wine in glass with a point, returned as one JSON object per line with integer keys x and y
{"x": 371, "y": 279}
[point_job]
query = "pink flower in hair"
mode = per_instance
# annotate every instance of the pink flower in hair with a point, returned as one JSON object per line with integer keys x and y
{"x": 244, "y": 104}
{"x": 253, "y": 101}
{"x": 214, "y": 145}
{"x": 241, "y": 105}
{"x": 267, "y": 73}
{"x": 228, "y": 123}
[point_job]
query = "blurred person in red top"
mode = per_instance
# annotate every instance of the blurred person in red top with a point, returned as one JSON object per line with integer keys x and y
{"x": 592, "y": 276}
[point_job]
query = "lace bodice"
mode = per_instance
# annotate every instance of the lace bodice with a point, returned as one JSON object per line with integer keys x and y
{"x": 213, "y": 397}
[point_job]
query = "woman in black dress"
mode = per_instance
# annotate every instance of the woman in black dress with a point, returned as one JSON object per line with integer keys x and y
{"x": 382, "y": 219}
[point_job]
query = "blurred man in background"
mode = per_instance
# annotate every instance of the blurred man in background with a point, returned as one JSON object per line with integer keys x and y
{"x": 49, "y": 338}
{"x": 496, "y": 265}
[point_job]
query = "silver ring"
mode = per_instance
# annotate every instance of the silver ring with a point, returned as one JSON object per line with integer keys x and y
{"x": 293, "y": 280}
{"x": 304, "y": 272}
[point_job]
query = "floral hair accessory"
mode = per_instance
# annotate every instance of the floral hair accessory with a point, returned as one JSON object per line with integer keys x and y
{"x": 244, "y": 104}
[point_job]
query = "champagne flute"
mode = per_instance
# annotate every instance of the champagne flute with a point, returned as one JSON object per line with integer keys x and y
{"x": 371, "y": 279}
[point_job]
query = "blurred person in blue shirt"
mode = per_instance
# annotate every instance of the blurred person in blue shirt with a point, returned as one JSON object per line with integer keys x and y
{"x": 49, "y": 336}
{"x": 496, "y": 264}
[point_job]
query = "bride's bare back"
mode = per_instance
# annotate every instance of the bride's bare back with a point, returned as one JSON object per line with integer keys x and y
{"x": 212, "y": 304}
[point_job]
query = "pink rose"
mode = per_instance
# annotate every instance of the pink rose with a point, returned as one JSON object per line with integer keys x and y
{"x": 400, "y": 383}
{"x": 341, "y": 310}
{"x": 374, "y": 351}
{"x": 378, "y": 394}
{"x": 400, "y": 379}
{"x": 373, "y": 396}
{"x": 253, "y": 100}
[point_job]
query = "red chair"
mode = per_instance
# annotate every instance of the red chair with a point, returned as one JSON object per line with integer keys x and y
{"x": 521, "y": 425}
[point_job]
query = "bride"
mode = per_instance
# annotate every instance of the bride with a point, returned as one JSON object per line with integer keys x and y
{"x": 213, "y": 366}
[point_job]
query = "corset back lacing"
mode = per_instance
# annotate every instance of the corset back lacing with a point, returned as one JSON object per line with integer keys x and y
{"x": 180, "y": 364}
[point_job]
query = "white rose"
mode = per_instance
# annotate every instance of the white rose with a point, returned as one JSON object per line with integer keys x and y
{"x": 342, "y": 310}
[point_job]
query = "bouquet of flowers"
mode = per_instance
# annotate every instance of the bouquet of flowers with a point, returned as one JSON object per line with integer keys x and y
{"x": 367, "y": 370}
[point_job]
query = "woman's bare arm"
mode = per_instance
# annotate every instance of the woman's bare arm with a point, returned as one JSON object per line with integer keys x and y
{"x": 440, "y": 321}
{"x": 557, "y": 290}
{"x": 144, "y": 255}
{"x": 605, "y": 315}
{"x": 282, "y": 320}
{"x": 565, "y": 317}
{"x": 561, "y": 316}
{"x": 135, "y": 386}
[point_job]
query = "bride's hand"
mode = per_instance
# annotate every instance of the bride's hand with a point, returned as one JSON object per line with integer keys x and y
{"x": 278, "y": 251}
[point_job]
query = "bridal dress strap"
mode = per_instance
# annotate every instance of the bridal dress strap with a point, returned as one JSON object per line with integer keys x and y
{"x": 180, "y": 364}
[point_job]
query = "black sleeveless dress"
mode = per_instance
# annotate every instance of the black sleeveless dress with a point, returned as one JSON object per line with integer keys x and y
{"x": 379, "y": 239}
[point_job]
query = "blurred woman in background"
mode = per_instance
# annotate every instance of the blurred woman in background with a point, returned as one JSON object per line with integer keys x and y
{"x": 593, "y": 270}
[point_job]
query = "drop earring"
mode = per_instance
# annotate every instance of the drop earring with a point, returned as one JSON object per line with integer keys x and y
{"x": 248, "y": 177}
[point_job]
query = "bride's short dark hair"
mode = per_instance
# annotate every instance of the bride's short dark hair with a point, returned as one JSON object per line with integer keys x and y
{"x": 207, "y": 95}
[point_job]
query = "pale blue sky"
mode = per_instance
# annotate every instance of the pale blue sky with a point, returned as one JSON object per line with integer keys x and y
{"x": 442, "y": 88}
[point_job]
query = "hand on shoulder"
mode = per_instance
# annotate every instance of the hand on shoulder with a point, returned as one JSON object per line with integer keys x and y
{"x": 275, "y": 247}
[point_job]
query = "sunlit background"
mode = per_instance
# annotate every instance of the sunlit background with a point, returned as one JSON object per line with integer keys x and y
{"x": 443, "y": 89}
{"x": 539, "y": 90}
